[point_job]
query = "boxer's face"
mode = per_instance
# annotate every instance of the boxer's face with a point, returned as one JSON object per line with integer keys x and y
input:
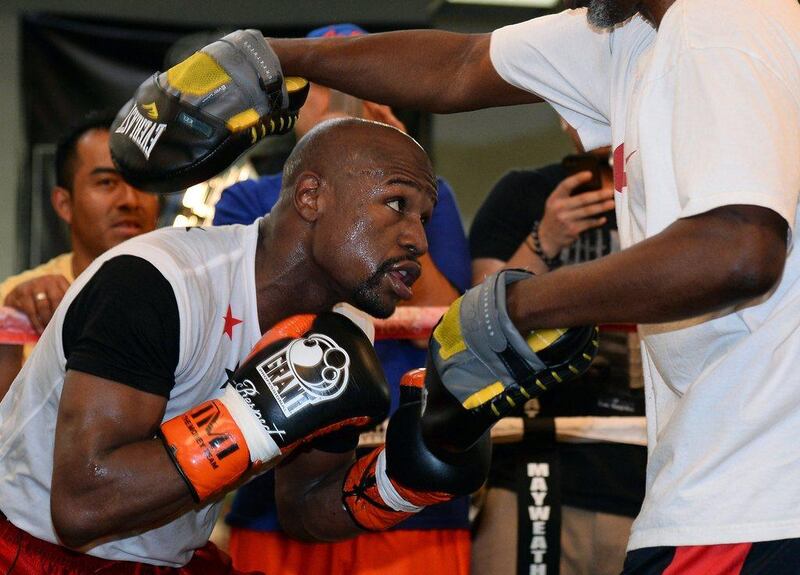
{"x": 373, "y": 236}
{"x": 101, "y": 208}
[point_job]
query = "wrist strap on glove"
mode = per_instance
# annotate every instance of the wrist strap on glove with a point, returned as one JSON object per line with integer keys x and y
{"x": 207, "y": 447}
{"x": 374, "y": 501}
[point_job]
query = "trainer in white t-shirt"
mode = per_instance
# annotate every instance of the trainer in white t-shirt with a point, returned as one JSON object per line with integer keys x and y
{"x": 703, "y": 114}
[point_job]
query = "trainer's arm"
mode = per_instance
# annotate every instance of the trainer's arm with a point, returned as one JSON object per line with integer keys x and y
{"x": 697, "y": 265}
{"x": 111, "y": 474}
{"x": 308, "y": 492}
{"x": 430, "y": 70}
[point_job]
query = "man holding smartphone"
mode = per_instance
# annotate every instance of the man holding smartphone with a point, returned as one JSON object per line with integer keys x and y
{"x": 558, "y": 214}
{"x": 555, "y": 215}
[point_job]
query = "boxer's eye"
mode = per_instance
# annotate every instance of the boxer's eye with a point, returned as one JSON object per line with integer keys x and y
{"x": 397, "y": 204}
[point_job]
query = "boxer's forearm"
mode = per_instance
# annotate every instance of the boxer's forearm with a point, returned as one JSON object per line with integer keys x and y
{"x": 132, "y": 487}
{"x": 428, "y": 70}
{"x": 695, "y": 266}
{"x": 308, "y": 492}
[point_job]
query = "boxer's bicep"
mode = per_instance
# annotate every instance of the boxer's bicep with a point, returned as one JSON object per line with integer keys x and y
{"x": 110, "y": 474}
{"x": 97, "y": 415}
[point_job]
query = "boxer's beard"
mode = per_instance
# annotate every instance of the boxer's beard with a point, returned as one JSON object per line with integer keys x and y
{"x": 367, "y": 295}
{"x": 609, "y": 13}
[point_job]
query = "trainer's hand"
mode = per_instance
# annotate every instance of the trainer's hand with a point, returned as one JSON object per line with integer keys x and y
{"x": 480, "y": 368}
{"x": 187, "y": 124}
{"x": 38, "y": 298}
{"x": 566, "y": 216}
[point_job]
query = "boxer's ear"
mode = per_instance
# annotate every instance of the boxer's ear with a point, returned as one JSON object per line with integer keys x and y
{"x": 306, "y": 198}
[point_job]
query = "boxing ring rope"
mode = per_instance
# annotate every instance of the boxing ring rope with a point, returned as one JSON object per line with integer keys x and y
{"x": 15, "y": 329}
{"x": 410, "y": 322}
{"x": 406, "y": 323}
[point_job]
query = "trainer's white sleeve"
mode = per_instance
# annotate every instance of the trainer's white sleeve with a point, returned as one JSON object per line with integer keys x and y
{"x": 563, "y": 61}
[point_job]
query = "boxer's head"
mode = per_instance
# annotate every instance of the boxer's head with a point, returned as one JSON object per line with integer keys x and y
{"x": 364, "y": 191}
{"x": 101, "y": 209}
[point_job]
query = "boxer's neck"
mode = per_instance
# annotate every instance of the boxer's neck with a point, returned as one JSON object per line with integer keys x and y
{"x": 288, "y": 282}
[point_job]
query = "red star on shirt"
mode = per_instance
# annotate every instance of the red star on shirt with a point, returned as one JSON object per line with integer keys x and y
{"x": 230, "y": 322}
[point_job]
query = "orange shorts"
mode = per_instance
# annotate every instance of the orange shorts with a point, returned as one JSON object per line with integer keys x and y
{"x": 388, "y": 553}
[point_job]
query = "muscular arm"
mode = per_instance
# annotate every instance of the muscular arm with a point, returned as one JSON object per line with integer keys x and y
{"x": 308, "y": 492}
{"x": 697, "y": 265}
{"x": 429, "y": 70}
{"x": 110, "y": 475}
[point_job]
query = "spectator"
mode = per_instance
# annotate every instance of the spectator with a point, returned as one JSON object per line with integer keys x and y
{"x": 101, "y": 210}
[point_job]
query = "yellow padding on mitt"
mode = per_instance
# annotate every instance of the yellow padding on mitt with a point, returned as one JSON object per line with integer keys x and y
{"x": 448, "y": 332}
{"x": 151, "y": 110}
{"x": 199, "y": 74}
{"x": 542, "y": 338}
{"x": 294, "y": 83}
{"x": 243, "y": 120}
{"x": 483, "y": 395}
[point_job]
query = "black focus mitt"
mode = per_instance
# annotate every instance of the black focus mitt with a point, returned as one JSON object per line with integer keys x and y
{"x": 187, "y": 124}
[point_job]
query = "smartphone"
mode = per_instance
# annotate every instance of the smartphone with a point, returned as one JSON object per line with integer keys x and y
{"x": 584, "y": 163}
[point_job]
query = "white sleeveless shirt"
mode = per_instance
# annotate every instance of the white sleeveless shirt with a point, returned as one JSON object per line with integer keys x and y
{"x": 212, "y": 273}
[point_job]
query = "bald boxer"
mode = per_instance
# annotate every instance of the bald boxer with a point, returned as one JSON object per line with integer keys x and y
{"x": 158, "y": 325}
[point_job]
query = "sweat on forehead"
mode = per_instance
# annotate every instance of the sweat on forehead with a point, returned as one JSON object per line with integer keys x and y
{"x": 330, "y": 143}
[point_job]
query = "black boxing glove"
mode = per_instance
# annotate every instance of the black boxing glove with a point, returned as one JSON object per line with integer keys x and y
{"x": 399, "y": 479}
{"x": 191, "y": 122}
{"x": 307, "y": 376}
